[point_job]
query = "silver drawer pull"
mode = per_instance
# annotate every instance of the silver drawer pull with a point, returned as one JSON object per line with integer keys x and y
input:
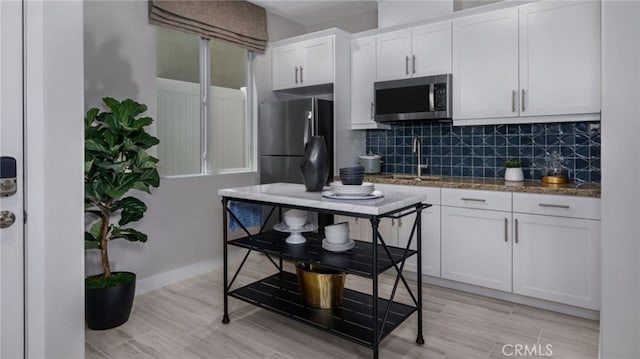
{"x": 554, "y": 205}
{"x": 474, "y": 199}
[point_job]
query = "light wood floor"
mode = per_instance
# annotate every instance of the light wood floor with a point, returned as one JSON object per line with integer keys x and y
{"x": 183, "y": 320}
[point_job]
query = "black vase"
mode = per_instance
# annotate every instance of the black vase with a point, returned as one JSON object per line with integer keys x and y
{"x": 107, "y": 308}
{"x": 315, "y": 165}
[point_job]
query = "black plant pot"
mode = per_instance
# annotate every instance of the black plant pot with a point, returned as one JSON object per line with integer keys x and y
{"x": 107, "y": 308}
{"x": 315, "y": 165}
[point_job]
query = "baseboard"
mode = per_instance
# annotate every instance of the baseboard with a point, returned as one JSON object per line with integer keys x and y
{"x": 514, "y": 298}
{"x": 176, "y": 275}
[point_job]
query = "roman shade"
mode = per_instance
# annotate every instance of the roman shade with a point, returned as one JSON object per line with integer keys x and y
{"x": 239, "y": 22}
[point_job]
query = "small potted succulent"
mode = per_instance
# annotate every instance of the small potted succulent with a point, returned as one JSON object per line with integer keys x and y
{"x": 513, "y": 171}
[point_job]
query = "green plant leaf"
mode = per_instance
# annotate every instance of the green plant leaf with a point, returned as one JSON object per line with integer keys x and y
{"x": 96, "y": 229}
{"x": 141, "y": 122}
{"x": 133, "y": 210}
{"x": 91, "y": 115}
{"x": 91, "y": 244}
{"x": 129, "y": 234}
{"x": 144, "y": 139}
{"x": 97, "y": 145}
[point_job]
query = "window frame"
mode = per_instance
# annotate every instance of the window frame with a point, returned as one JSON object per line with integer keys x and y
{"x": 205, "y": 104}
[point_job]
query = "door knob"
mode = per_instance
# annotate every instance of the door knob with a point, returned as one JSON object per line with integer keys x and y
{"x": 7, "y": 218}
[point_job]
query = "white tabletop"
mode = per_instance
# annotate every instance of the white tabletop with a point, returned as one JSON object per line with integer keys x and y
{"x": 296, "y": 195}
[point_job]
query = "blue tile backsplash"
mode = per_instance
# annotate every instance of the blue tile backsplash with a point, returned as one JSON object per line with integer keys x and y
{"x": 480, "y": 151}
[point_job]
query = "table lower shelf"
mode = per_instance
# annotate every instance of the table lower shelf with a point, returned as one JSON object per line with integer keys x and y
{"x": 351, "y": 320}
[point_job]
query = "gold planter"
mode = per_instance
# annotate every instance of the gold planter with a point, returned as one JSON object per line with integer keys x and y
{"x": 554, "y": 179}
{"x": 320, "y": 287}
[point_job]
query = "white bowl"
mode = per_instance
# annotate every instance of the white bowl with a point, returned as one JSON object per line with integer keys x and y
{"x": 295, "y": 218}
{"x": 337, "y": 233}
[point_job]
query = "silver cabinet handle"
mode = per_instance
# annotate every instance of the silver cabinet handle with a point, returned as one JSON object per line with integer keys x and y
{"x": 399, "y": 222}
{"x": 523, "y": 100}
{"x": 516, "y": 230}
{"x": 473, "y": 199}
{"x": 301, "y": 77}
{"x": 296, "y": 74}
{"x": 506, "y": 230}
{"x": 406, "y": 65}
{"x": 554, "y": 205}
{"x": 514, "y": 98}
{"x": 413, "y": 63}
{"x": 373, "y": 110}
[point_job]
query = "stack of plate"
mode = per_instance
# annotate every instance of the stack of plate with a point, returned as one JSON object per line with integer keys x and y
{"x": 340, "y": 189}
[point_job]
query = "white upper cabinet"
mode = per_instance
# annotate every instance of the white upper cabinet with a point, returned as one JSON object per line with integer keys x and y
{"x": 539, "y": 59}
{"x": 363, "y": 75}
{"x": 394, "y": 52}
{"x": 306, "y": 63}
{"x": 485, "y": 65}
{"x": 416, "y": 52}
{"x": 431, "y": 46}
{"x": 560, "y": 58}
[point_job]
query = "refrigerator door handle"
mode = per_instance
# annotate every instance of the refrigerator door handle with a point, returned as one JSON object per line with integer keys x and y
{"x": 308, "y": 131}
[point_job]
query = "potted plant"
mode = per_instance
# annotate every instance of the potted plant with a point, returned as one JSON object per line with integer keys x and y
{"x": 116, "y": 161}
{"x": 513, "y": 171}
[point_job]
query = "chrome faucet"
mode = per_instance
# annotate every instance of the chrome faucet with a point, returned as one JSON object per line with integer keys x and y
{"x": 416, "y": 150}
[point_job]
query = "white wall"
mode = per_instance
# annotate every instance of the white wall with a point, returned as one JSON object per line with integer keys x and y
{"x": 398, "y": 12}
{"x": 54, "y": 180}
{"x": 620, "y": 312}
{"x": 184, "y": 220}
{"x": 353, "y": 24}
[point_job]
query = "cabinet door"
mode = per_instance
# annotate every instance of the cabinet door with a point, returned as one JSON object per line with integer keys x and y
{"x": 476, "y": 247}
{"x": 485, "y": 65}
{"x": 317, "y": 61}
{"x": 431, "y": 46}
{"x": 285, "y": 59}
{"x": 363, "y": 75}
{"x": 430, "y": 240}
{"x": 560, "y": 58}
{"x": 394, "y": 55}
{"x": 557, "y": 259}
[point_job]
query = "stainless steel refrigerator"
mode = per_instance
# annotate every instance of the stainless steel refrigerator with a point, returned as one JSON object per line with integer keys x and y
{"x": 282, "y": 127}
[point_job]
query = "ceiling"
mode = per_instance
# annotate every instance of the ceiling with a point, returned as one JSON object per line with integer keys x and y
{"x": 315, "y": 12}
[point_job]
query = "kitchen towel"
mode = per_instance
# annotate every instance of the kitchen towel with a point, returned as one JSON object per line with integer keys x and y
{"x": 249, "y": 214}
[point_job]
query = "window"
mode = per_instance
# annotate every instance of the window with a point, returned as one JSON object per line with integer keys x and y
{"x": 197, "y": 136}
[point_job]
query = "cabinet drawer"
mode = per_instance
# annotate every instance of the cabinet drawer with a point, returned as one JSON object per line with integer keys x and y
{"x": 433, "y": 193}
{"x": 563, "y": 206}
{"x": 497, "y": 201}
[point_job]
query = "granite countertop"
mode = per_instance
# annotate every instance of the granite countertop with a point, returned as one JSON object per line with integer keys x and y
{"x": 297, "y": 195}
{"x": 490, "y": 184}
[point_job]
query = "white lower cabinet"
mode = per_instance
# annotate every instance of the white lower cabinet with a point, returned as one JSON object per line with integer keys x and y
{"x": 430, "y": 240}
{"x": 476, "y": 247}
{"x": 557, "y": 258}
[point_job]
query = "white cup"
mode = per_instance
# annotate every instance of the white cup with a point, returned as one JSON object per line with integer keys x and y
{"x": 337, "y": 233}
{"x": 295, "y": 218}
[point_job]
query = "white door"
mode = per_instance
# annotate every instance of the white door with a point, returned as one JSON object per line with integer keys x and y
{"x": 431, "y": 46}
{"x": 286, "y": 67}
{"x": 11, "y": 206}
{"x": 558, "y": 259}
{"x": 317, "y": 61}
{"x": 485, "y": 65}
{"x": 560, "y": 58}
{"x": 394, "y": 55}
{"x": 363, "y": 75}
{"x": 476, "y": 247}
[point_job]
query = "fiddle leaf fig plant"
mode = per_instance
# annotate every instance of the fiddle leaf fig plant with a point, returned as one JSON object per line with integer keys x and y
{"x": 116, "y": 161}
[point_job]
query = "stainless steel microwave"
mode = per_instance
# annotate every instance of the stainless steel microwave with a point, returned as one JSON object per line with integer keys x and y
{"x": 417, "y": 98}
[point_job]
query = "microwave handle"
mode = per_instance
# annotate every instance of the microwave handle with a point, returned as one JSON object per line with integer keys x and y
{"x": 432, "y": 106}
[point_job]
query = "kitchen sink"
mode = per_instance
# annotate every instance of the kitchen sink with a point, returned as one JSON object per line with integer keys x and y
{"x": 413, "y": 177}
